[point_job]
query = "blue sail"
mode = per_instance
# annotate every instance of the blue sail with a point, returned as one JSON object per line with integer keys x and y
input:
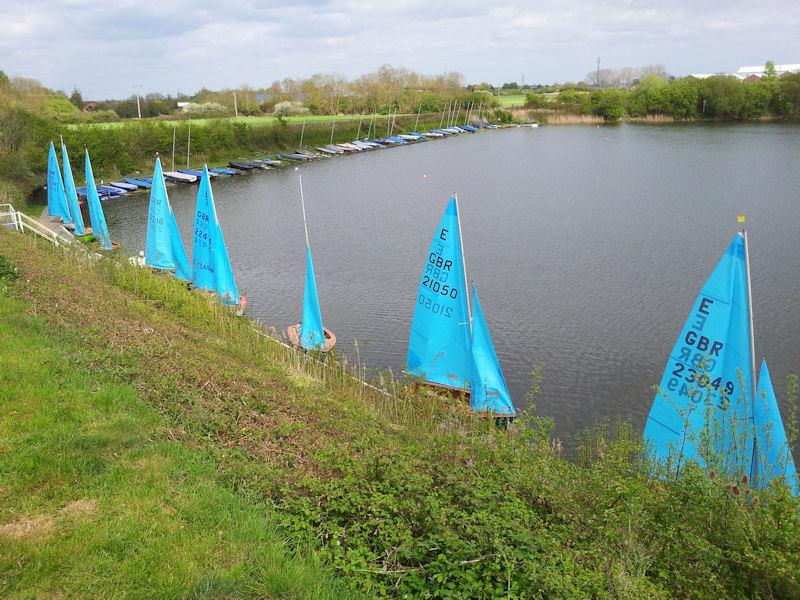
{"x": 72, "y": 194}
{"x": 773, "y": 452}
{"x": 211, "y": 267}
{"x": 312, "y": 335}
{"x": 489, "y": 390}
{"x": 163, "y": 244}
{"x": 703, "y": 409}
{"x": 96, "y": 216}
{"x": 439, "y": 349}
{"x": 56, "y": 196}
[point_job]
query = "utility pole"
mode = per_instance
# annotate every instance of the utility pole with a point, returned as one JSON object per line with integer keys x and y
{"x": 235, "y": 106}
{"x": 138, "y": 106}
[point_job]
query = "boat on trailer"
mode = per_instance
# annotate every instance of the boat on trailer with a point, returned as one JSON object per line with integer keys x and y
{"x": 247, "y": 167}
{"x": 330, "y": 151}
{"x": 223, "y": 171}
{"x": 110, "y": 190}
{"x": 180, "y": 177}
{"x": 308, "y": 153}
{"x": 293, "y": 156}
{"x": 140, "y": 183}
{"x": 196, "y": 173}
{"x": 124, "y": 185}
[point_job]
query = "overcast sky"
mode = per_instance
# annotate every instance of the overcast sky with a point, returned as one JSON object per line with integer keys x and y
{"x": 105, "y": 47}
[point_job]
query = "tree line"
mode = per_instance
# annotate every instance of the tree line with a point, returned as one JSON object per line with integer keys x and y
{"x": 720, "y": 97}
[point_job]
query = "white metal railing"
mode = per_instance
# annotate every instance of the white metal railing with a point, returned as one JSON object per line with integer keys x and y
{"x": 22, "y": 222}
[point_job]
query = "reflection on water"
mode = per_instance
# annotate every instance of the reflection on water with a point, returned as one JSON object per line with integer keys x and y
{"x": 588, "y": 244}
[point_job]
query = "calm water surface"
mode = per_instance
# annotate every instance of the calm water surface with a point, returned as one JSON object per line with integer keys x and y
{"x": 588, "y": 246}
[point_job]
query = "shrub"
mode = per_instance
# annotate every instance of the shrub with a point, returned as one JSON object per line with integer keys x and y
{"x": 289, "y": 109}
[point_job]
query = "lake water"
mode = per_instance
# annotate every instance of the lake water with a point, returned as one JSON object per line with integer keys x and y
{"x": 588, "y": 246}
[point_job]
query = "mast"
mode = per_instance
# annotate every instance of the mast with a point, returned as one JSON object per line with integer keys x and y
{"x": 174, "y": 128}
{"x": 754, "y": 463}
{"x": 464, "y": 264}
{"x": 302, "y": 132}
{"x": 303, "y": 204}
{"x": 188, "y": 144}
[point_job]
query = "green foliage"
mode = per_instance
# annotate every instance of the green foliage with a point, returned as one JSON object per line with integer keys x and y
{"x": 60, "y": 108}
{"x": 8, "y": 270}
{"x": 534, "y": 100}
{"x": 608, "y": 103}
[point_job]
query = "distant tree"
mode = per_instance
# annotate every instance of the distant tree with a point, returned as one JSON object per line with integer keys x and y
{"x": 609, "y": 104}
{"x": 769, "y": 70}
{"x": 512, "y": 85}
{"x": 534, "y": 100}
{"x": 4, "y": 80}
{"x": 600, "y": 78}
{"x": 76, "y": 98}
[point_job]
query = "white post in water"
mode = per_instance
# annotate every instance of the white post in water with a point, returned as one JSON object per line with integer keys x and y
{"x": 174, "y": 129}
{"x": 754, "y": 459}
{"x": 188, "y": 144}
{"x": 303, "y": 204}
{"x": 463, "y": 262}
{"x": 235, "y": 105}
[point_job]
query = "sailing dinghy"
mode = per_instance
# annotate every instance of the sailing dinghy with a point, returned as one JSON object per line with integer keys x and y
{"x": 163, "y": 245}
{"x": 96, "y": 216}
{"x": 449, "y": 347}
{"x": 708, "y": 408}
{"x": 310, "y": 334}
{"x": 72, "y": 193}
{"x": 211, "y": 266}
{"x": 56, "y": 195}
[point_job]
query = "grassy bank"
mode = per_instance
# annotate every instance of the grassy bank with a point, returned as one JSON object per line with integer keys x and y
{"x": 98, "y": 500}
{"x": 401, "y": 495}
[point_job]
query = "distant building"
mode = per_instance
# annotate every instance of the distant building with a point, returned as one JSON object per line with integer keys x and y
{"x": 184, "y": 106}
{"x": 780, "y": 70}
{"x": 89, "y": 106}
{"x": 753, "y": 74}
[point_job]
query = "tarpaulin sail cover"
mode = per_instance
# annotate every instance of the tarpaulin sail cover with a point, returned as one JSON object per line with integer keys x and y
{"x": 439, "y": 348}
{"x": 72, "y": 194}
{"x": 56, "y": 197}
{"x": 96, "y": 216}
{"x": 163, "y": 244}
{"x": 704, "y": 405}
{"x": 312, "y": 336}
{"x": 211, "y": 267}
{"x": 489, "y": 391}
{"x": 773, "y": 452}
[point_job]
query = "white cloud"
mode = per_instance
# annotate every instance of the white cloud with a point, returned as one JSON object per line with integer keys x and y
{"x": 179, "y": 45}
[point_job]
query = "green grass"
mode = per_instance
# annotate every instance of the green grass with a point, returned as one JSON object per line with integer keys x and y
{"x": 97, "y": 501}
{"x": 400, "y": 495}
{"x": 511, "y": 100}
